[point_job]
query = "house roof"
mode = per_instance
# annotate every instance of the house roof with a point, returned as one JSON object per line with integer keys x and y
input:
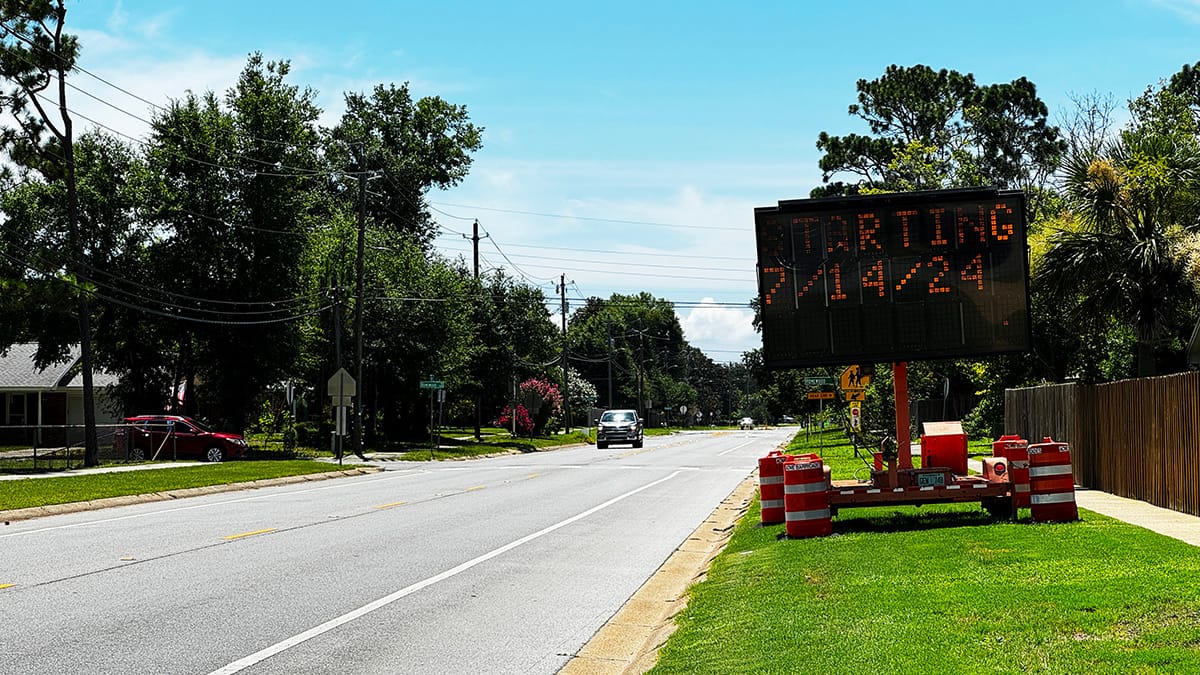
{"x": 18, "y": 372}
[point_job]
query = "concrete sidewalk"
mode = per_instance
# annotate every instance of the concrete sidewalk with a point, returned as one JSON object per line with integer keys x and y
{"x": 1174, "y": 524}
{"x": 104, "y": 469}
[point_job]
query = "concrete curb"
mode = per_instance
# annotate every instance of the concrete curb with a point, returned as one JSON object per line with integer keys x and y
{"x": 76, "y": 507}
{"x": 628, "y": 644}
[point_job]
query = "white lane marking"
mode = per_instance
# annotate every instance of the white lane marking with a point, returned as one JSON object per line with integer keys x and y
{"x": 736, "y": 447}
{"x": 246, "y": 662}
{"x": 403, "y": 474}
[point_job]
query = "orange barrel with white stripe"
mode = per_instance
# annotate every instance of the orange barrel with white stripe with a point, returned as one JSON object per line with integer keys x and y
{"x": 805, "y": 500}
{"x": 1051, "y": 484}
{"x": 770, "y": 486}
{"x": 1016, "y": 450}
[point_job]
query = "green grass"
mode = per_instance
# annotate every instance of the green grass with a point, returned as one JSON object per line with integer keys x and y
{"x": 19, "y": 494}
{"x": 458, "y": 448}
{"x": 942, "y": 589}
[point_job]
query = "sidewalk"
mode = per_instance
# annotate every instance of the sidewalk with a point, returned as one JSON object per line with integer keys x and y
{"x": 103, "y": 469}
{"x": 1173, "y": 524}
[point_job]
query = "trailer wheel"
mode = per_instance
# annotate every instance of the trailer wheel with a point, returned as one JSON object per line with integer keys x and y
{"x": 1000, "y": 508}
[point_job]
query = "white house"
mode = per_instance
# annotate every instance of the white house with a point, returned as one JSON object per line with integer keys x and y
{"x": 50, "y": 398}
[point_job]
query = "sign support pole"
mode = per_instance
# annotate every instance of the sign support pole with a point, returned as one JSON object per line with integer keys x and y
{"x": 903, "y": 439}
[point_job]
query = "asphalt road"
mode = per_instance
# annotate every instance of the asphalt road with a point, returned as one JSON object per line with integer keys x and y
{"x": 502, "y": 565}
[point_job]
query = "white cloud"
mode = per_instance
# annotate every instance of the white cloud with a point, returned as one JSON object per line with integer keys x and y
{"x": 719, "y": 329}
{"x": 1188, "y": 9}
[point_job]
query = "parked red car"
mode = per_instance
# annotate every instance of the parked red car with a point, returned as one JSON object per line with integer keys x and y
{"x": 175, "y": 436}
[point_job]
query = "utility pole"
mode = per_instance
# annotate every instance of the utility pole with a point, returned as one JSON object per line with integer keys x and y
{"x": 608, "y": 331}
{"x": 358, "y": 313}
{"x": 562, "y": 288}
{"x": 641, "y": 368}
{"x": 475, "y": 245}
{"x": 337, "y": 357}
{"x": 479, "y": 393}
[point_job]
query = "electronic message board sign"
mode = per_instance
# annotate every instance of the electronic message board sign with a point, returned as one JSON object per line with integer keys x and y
{"x": 893, "y": 277}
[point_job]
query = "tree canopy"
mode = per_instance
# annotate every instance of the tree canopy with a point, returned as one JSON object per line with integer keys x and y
{"x": 940, "y": 129}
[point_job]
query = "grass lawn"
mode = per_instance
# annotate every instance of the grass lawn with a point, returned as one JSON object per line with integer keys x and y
{"x": 20, "y": 494}
{"x": 459, "y": 447}
{"x": 942, "y": 589}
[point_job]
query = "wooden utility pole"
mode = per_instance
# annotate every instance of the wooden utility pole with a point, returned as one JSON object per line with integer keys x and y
{"x": 562, "y": 289}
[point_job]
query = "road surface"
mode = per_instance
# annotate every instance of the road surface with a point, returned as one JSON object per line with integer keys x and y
{"x": 501, "y": 565}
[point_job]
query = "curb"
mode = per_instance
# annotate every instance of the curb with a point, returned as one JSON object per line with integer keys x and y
{"x": 628, "y": 644}
{"x": 126, "y": 500}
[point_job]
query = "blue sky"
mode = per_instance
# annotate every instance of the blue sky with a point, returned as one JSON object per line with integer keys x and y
{"x": 626, "y": 143}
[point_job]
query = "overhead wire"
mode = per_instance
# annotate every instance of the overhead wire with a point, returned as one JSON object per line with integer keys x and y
{"x": 299, "y": 171}
{"x": 148, "y": 310}
{"x": 540, "y": 281}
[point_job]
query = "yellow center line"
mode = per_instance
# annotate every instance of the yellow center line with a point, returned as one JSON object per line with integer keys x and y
{"x": 249, "y": 534}
{"x": 533, "y": 475}
{"x": 388, "y": 506}
{"x": 477, "y": 487}
{"x": 6, "y": 585}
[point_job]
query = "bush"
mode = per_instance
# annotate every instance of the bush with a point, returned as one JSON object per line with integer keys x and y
{"x": 313, "y": 434}
{"x": 289, "y": 436}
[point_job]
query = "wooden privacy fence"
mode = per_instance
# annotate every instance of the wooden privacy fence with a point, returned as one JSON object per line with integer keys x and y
{"x": 1134, "y": 438}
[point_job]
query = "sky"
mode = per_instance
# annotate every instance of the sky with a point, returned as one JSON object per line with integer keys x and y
{"x": 625, "y": 144}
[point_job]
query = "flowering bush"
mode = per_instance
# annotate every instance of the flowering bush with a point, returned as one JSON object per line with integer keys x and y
{"x": 524, "y": 422}
{"x": 544, "y": 390}
{"x": 545, "y": 401}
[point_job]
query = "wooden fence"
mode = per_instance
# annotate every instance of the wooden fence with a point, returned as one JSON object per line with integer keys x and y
{"x": 1134, "y": 438}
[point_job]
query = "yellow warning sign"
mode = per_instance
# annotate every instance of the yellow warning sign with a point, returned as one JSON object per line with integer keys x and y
{"x": 854, "y": 378}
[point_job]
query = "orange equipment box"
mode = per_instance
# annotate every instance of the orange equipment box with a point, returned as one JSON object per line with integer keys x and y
{"x": 943, "y": 444}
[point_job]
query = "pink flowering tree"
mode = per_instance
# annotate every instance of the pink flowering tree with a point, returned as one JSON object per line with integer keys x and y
{"x": 524, "y": 423}
{"x": 544, "y": 401}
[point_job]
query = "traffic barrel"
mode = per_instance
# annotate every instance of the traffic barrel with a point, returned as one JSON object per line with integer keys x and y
{"x": 1051, "y": 484}
{"x": 770, "y": 487}
{"x": 1016, "y": 450}
{"x": 805, "y": 500}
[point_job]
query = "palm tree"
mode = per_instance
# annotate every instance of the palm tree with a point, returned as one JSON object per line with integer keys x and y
{"x": 1134, "y": 201}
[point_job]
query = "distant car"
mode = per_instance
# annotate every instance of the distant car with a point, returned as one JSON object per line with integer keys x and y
{"x": 176, "y": 436}
{"x": 746, "y": 423}
{"x": 619, "y": 426}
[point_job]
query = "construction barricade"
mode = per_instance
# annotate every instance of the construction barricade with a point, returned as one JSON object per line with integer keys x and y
{"x": 770, "y": 487}
{"x": 805, "y": 500}
{"x": 1051, "y": 484}
{"x": 1016, "y": 450}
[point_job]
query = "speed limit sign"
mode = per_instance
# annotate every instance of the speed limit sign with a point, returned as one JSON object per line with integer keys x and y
{"x": 855, "y": 415}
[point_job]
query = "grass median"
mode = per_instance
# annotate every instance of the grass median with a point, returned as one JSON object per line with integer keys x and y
{"x": 943, "y": 589}
{"x": 26, "y": 493}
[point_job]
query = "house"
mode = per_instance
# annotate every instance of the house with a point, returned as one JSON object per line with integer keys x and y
{"x": 45, "y": 406}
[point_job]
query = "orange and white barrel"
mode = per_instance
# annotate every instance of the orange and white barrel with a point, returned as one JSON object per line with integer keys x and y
{"x": 1016, "y": 450}
{"x": 770, "y": 487}
{"x": 805, "y": 500}
{"x": 1051, "y": 483}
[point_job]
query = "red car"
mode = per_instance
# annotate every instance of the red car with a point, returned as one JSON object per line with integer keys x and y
{"x": 175, "y": 436}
